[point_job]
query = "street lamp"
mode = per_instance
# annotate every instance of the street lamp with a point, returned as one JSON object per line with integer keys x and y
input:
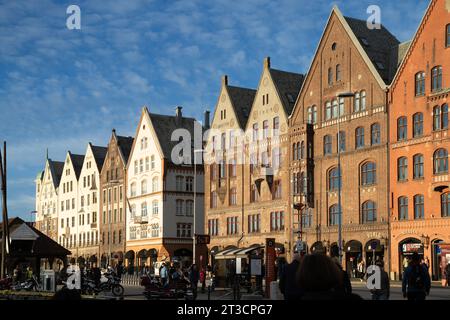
{"x": 340, "y": 96}
{"x": 195, "y": 198}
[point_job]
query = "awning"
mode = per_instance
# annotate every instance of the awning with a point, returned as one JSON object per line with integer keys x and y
{"x": 236, "y": 253}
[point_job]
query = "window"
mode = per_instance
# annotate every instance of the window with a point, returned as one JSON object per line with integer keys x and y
{"x": 440, "y": 158}
{"x": 232, "y": 227}
{"x": 152, "y": 162}
{"x": 335, "y": 109}
{"x": 314, "y": 114}
{"x": 276, "y": 190}
{"x": 420, "y": 83}
{"x": 333, "y": 179}
{"x": 436, "y": 78}
{"x": 309, "y": 115}
{"x": 445, "y": 205}
{"x": 402, "y": 129}
{"x": 276, "y": 126}
{"x": 330, "y": 76}
{"x": 359, "y": 137}
{"x": 155, "y": 186}
{"x": 179, "y": 183}
{"x": 254, "y": 223}
{"x": 144, "y": 209}
{"x": 338, "y": 72}
{"x": 403, "y": 208}
{"x": 265, "y": 129}
{"x": 255, "y": 132}
{"x": 418, "y": 125}
{"x": 402, "y": 169}
{"x": 363, "y": 100}
{"x": 144, "y": 187}
{"x": 327, "y": 145}
{"x": 189, "y": 208}
{"x": 341, "y": 107}
{"x": 184, "y": 230}
{"x": 189, "y": 184}
{"x": 222, "y": 169}
{"x": 277, "y": 221}
{"x": 375, "y": 134}
{"x": 444, "y": 112}
{"x": 302, "y": 150}
{"x": 179, "y": 207}
{"x": 233, "y": 168}
{"x": 436, "y": 118}
{"x": 333, "y": 215}
{"x": 233, "y": 196}
{"x": 155, "y": 208}
{"x": 357, "y": 104}
{"x": 328, "y": 110}
{"x": 341, "y": 139}
{"x": 147, "y": 163}
{"x": 141, "y": 165}
{"x": 276, "y": 158}
{"x": 213, "y": 227}
{"x": 368, "y": 173}
{"x": 447, "y": 35}
{"x": 155, "y": 230}
{"x": 214, "y": 199}
{"x": 369, "y": 212}
{"x": 254, "y": 194}
{"x": 223, "y": 141}
{"x": 418, "y": 207}
{"x": 418, "y": 166}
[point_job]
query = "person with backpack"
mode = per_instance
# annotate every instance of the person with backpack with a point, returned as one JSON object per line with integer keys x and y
{"x": 416, "y": 281}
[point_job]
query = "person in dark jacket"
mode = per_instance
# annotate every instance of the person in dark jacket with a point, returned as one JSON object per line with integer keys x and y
{"x": 416, "y": 281}
{"x": 320, "y": 278}
{"x": 288, "y": 285}
{"x": 194, "y": 276}
{"x": 383, "y": 292}
{"x": 346, "y": 286}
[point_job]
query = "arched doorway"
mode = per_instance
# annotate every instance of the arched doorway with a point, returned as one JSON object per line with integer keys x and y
{"x": 153, "y": 255}
{"x": 142, "y": 259}
{"x": 374, "y": 251}
{"x": 129, "y": 261}
{"x": 406, "y": 249}
{"x": 334, "y": 250}
{"x": 436, "y": 271}
{"x": 318, "y": 248}
{"x": 353, "y": 254}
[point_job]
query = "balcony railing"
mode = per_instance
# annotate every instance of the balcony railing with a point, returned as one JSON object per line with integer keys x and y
{"x": 141, "y": 219}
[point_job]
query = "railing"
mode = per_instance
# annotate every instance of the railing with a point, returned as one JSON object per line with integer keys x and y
{"x": 141, "y": 219}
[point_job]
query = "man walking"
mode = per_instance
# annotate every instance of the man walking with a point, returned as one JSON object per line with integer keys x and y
{"x": 288, "y": 284}
{"x": 416, "y": 282}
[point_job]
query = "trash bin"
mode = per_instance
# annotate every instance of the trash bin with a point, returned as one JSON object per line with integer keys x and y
{"x": 48, "y": 280}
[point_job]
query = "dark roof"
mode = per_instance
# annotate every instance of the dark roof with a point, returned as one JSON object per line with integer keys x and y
{"x": 125, "y": 144}
{"x": 99, "y": 155}
{"x": 56, "y": 168}
{"x": 164, "y": 126}
{"x": 77, "y": 162}
{"x": 242, "y": 100}
{"x": 43, "y": 246}
{"x": 378, "y": 44}
{"x": 288, "y": 85}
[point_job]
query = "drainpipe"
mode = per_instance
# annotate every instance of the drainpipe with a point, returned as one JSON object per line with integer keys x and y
{"x": 388, "y": 242}
{"x": 242, "y": 202}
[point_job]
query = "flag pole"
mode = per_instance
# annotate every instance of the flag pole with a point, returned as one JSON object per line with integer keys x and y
{"x": 4, "y": 210}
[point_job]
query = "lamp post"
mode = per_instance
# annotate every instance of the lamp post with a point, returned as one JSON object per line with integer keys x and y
{"x": 195, "y": 201}
{"x": 339, "y": 97}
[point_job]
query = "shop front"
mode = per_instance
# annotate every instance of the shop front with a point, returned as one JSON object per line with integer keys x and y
{"x": 353, "y": 254}
{"x": 406, "y": 249}
{"x": 374, "y": 251}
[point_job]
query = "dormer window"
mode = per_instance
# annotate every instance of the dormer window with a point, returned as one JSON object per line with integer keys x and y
{"x": 334, "y": 46}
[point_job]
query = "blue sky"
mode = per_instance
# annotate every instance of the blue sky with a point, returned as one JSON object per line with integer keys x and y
{"x": 62, "y": 88}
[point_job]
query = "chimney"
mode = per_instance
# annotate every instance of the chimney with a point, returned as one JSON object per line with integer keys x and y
{"x": 206, "y": 124}
{"x": 178, "y": 115}
{"x": 267, "y": 62}
{"x": 225, "y": 80}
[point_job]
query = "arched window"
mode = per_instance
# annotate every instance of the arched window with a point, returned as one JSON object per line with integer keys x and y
{"x": 436, "y": 78}
{"x": 418, "y": 166}
{"x": 133, "y": 189}
{"x": 333, "y": 216}
{"x": 369, "y": 212}
{"x": 333, "y": 179}
{"x": 327, "y": 145}
{"x": 417, "y": 124}
{"x": 302, "y": 150}
{"x": 363, "y": 100}
{"x": 144, "y": 187}
{"x": 310, "y": 115}
{"x": 368, "y": 173}
{"x": 445, "y": 205}
{"x": 357, "y": 105}
{"x": 144, "y": 209}
{"x": 402, "y": 169}
{"x": 444, "y": 113}
{"x": 359, "y": 137}
{"x": 314, "y": 114}
{"x": 375, "y": 134}
{"x": 419, "y": 212}
{"x": 440, "y": 158}
{"x": 420, "y": 83}
{"x": 437, "y": 118}
{"x": 338, "y": 72}
{"x": 328, "y": 110}
{"x": 403, "y": 208}
{"x": 402, "y": 128}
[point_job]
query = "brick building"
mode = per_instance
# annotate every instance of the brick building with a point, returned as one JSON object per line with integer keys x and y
{"x": 113, "y": 204}
{"x": 350, "y": 59}
{"x": 419, "y": 137}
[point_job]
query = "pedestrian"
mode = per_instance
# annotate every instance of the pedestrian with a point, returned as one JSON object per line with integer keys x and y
{"x": 288, "y": 286}
{"x": 29, "y": 272}
{"x": 194, "y": 276}
{"x": 203, "y": 279}
{"x": 319, "y": 278}
{"x": 163, "y": 274}
{"x": 426, "y": 262}
{"x": 383, "y": 292}
{"x": 361, "y": 270}
{"x": 346, "y": 286}
{"x": 172, "y": 270}
{"x": 119, "y": 270}
{"x": 416, "y": 281}
{"x": 447, "y": 273}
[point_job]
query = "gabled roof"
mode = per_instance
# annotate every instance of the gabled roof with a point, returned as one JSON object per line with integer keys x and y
{"x": 378, "y": 45}
{"x": 164, "y": 126}
{"x": 287, "y": 83}
{"x": 56, "y": 169}
{"x": 241, "y": 101}
{"x": 99, "y": 155}
{"x": 77, "y": 163}
{"x": 125, "y": 144}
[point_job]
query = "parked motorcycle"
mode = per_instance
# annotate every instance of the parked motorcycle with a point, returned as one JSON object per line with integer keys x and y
{"x": 28, "y": 285}
{"x": 154, "y": 290}
{"x": 90, "y": 286}
{"x": 6, "y": 283}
